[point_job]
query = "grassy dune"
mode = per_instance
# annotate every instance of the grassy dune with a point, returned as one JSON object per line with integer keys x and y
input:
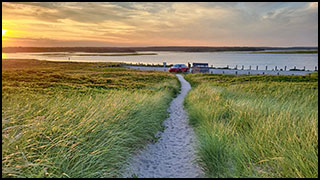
{"x": 255, "y": 126}
{"x": 78, "y": 119}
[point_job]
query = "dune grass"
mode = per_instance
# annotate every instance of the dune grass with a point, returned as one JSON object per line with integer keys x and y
{"x": 255, "y": 126}
{"x": 78, "y": 119}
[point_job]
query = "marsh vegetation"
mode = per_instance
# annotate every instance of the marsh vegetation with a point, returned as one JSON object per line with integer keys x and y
{"x": 78, "y": 119}
{"x": 255, "y": 125}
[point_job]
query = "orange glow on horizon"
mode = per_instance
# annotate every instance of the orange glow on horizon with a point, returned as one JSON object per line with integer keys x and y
{"x": 57, "y": 24}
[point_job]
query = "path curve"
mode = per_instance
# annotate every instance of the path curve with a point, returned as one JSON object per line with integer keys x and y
{"x": 173, "y": 155}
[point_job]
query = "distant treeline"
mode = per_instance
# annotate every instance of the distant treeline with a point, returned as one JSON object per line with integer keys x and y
{"x": 66, "y": 49}
{"x": 135, "y": 49}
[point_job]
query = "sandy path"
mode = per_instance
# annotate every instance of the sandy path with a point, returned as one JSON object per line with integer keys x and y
{"x": 173, "y": 155}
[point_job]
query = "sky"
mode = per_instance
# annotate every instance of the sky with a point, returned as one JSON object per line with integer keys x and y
{"x": 124, "y": 24}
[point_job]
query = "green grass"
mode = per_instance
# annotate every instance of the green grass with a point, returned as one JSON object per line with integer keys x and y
{"x": 78, "y": 119}
{"x": 255, "y": 126}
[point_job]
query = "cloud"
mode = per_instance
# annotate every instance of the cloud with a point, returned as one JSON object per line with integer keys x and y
{"x": 313, "y": 5}
{"x": 167, "y": 23}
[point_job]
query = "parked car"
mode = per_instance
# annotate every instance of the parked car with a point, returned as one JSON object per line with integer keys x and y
{"x": 178, "y": 68}
{"x": 200, "y": 68}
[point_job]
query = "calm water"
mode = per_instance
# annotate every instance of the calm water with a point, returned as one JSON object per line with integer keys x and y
{"x": 217, "y": 59}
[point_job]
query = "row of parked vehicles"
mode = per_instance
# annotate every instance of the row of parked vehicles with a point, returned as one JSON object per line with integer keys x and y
{"x": 196, "y": 67}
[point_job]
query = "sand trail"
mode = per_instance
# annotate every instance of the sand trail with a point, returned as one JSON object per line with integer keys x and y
{"x": 173, "y": 155}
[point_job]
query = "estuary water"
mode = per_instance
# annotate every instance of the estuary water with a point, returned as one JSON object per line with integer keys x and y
{"x": 215, "y": 59}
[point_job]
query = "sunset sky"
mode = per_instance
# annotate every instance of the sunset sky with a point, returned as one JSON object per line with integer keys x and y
{"x": 160, "y": 24}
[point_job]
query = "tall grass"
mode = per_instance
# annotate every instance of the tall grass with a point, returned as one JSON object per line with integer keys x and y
{"x": 255, "y": 126}
{"x": 81, "y": 129}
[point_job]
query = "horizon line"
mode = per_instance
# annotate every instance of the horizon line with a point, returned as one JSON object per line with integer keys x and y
{"x": 154, "y": 46}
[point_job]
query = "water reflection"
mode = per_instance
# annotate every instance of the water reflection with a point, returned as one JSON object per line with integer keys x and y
{"x": 216, "y": 59}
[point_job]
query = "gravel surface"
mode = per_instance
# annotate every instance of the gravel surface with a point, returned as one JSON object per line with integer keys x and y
{"x": 173, "y": 155}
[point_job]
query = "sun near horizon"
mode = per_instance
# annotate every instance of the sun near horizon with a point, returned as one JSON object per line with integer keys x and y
{"x": 3, "y": 32}
{"x": 39, "y": 24}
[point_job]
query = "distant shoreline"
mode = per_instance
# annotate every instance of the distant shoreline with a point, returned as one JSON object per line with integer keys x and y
{"x": 285, "y": 52}
{"x": 159, "y": 48}
{"x": 117, "y": 54}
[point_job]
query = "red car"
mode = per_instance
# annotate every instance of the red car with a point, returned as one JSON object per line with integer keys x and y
{"x": 178, "y": 68}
